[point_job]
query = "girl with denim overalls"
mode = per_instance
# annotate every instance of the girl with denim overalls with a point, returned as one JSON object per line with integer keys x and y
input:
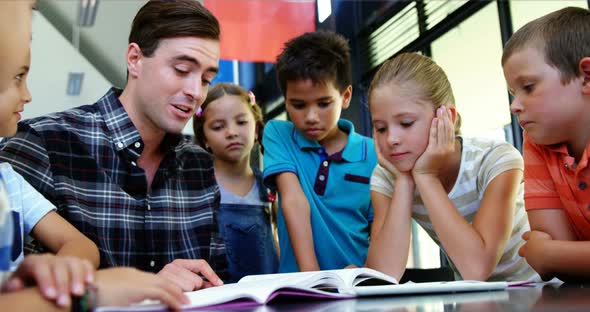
{"x": 228, "y": 125}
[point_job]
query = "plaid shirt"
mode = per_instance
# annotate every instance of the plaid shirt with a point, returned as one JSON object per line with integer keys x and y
{"x": 84, "y": 160}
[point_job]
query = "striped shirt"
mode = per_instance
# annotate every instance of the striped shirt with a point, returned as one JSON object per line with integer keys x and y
{"x": 481, "y": 161}
{"x": 84, "y": 160}
{"x": 553, "y": 180}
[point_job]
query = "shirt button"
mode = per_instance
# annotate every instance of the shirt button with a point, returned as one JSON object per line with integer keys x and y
{"x": 120, "y": 145}
{"x": 325, "y": 163}
{"x": 152, "y": 263}
{"x": 582, "y": 185}
{"x": 322, "y": 178}
{"x": 133, "y": 163}
{"x": 137, "y": 144}
{"x": 149, "y": 207}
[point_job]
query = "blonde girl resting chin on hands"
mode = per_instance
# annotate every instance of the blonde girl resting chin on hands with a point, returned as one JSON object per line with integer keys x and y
{"x": 465, "y": 192}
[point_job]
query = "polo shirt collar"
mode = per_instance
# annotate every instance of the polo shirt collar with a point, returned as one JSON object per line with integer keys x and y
{"x": 558, "y": 148}
{"x": 562, "y": 151}
{"x": 355, "y": 149}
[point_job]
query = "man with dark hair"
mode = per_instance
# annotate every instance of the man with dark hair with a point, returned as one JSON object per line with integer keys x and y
{"x": 118, "y": 169}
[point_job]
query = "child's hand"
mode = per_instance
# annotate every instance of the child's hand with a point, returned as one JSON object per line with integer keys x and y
{"x": 123, "y": 286}
{"x": 383, "y": 162}
{"x": 533, "y": 252}
{"x": 57, "y": 277}
{"x": 441, "y": 144}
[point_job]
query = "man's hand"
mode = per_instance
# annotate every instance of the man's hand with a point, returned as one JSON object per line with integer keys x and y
{"x": 190, "y": 275}
{"x": 533, "y": 252}
{"x": 123, "y": 286}
{"x": 57, "y": 277}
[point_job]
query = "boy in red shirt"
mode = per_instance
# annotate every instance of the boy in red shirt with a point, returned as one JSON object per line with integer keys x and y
{"x": 547, "y": 67}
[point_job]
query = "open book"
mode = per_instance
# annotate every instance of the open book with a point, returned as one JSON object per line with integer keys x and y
{"x": 260, "y": 289}
{"x": 330, "y": 284}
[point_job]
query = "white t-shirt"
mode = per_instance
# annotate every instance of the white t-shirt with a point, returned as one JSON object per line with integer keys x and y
{"x": 481, "y": 161}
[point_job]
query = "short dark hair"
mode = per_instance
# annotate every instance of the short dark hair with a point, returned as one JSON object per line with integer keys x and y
{"x": 218, "y": 91}
{"x": 321, "y": 56}
{"x": 563, "y": 36}
{"x": 161, "y": 19}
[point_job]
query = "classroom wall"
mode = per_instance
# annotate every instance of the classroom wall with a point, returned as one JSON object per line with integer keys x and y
{"x": 52, "y": 58}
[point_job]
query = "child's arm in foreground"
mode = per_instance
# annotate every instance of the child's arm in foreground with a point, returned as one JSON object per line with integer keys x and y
{"x": 296, "y": 211}
{"x": 29, "y": 299}
{"x": 475, "y": 248}
{"x": 552, "y": 248}
{"x": 390, "y": 233}
{"x": 115, "y": 287}
{"x": 391, "y": 228}
{"x": 52, "y": 230}
{"x": 56, "y": 278}
{"x": 62, "y": 238}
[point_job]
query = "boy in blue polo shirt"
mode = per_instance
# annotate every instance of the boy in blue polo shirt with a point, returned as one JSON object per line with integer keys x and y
{"x": 318, "y": 163}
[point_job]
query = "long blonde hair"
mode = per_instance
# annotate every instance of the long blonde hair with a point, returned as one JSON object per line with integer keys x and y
{"x": 422, "y": 72}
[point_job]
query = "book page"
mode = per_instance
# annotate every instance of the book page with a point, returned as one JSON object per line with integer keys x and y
{"x": 253, "y": 291}
{"x": 314, "y": 279}
{"x": 367, "y": 276}
{"x": 430, "y": 287}
{"x": 343, "y": 279}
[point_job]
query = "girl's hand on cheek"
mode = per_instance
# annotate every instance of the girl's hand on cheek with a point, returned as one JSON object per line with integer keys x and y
{"x": 383, "y": 162}
{"x": 441, "y": 144}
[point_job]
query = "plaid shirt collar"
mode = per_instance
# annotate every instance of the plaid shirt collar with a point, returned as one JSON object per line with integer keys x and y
{"x": 120, "y": 127}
